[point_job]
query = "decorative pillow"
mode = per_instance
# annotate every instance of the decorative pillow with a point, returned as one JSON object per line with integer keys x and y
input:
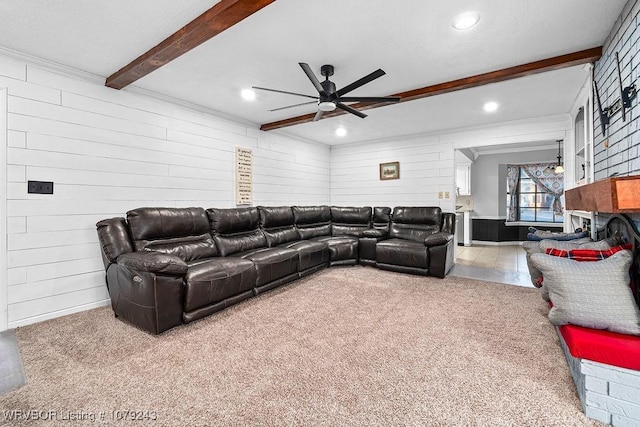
{"x": 535, "y": 234}
{"x": 533, "y": 247}
{"x": 587, "y": 254}
{"x": 545, "y": 245}
{"x": 594, "y": 295}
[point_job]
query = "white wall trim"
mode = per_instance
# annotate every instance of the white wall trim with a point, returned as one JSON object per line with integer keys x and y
{"x": 59, "y": 313}
{"x": 520, "y": 149}
{"x": 52, "y": 66}
{"x": 3, "y": 212}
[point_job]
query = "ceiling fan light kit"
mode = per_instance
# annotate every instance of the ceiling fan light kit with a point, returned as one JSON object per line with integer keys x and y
{"x": 328, "y": 98}
{"x": 326, "y": 106}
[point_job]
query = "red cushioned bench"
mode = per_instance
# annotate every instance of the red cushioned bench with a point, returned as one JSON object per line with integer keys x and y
{"x": 601, "y": 346}
{"x": 605, "y": 365}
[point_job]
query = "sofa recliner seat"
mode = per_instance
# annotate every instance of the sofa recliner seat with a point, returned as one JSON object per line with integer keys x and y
{"x": 236, "y": 233}
{"x": 174, "y": 264}
{"x": 420, "y": 242}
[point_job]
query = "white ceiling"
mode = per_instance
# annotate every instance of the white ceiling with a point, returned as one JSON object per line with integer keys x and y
{"x": 412, "y": 40}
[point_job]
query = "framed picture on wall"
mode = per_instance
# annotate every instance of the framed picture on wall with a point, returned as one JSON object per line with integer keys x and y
{"x": 390, "y": 170}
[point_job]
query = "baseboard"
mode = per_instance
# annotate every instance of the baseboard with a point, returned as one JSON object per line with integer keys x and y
{"x": 59, "y": 313}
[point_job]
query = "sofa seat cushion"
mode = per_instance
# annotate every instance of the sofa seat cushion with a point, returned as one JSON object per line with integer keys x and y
{"x": 402, "y": 252}
{"x": 343, "y": 248}
{"x": 340, "y": 247}
{"x": 213, "y": 280}
{"x": 271, "y": 263}
{"x": 310, "y": 253}
{"x": 602, "y": 346}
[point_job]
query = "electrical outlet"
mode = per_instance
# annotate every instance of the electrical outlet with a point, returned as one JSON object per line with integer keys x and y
{"x": 40, "y": 187}
{"x": 439, "y": 194}
{"x": 446, "y": 194}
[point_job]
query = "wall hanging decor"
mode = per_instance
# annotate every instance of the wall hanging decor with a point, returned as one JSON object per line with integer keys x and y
{"x": 389, "y": 170}
{"x": 244, "y": 176}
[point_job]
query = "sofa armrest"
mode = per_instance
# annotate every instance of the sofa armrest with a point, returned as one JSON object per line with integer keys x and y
{"x": 448, "y": 223}
{"x": 153, "y": 262}
{"x": 375, "y": 233}
{"x": 437, "y": 239}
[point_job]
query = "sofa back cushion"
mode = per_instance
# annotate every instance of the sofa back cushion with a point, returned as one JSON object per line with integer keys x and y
{"x": 415, "y": 223}
{"x": 277, "y": 224}
{"x": 381, "y": 217}
{"x": 236, "y": 229}
{"x": 183, "y": 232}
{"x": 312, "y": 221}
{"x": 350, "y": 220}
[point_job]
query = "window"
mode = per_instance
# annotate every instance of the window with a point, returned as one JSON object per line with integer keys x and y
{"x": 531, "y": 202}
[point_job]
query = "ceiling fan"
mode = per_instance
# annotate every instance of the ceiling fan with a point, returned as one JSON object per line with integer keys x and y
{"x": 329, "y": 98}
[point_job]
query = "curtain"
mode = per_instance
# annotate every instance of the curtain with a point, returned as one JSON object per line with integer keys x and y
{"x": 513, "y": 178}
{"x": 549, "y": 181}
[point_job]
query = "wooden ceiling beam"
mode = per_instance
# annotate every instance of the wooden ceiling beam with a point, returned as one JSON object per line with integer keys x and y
{"x": 222, "y": 16}
{"x": 549, "y": 64}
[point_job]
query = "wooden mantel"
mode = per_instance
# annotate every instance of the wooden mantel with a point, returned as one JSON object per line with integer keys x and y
{"x": 609, "y": 195}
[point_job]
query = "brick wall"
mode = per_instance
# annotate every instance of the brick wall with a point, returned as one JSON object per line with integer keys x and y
{"x": 607, "y": 393}
{"x": 617, "y": 152}
{"x": 622, "y": 156}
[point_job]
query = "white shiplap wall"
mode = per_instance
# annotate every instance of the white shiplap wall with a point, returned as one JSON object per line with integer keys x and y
{"x": 426, "y": 162}
{"x": 111, "y": 151}
{"x": 426, "y": 168}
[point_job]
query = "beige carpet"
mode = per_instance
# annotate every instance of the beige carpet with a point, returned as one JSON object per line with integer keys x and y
{"x": 347, "y": 346}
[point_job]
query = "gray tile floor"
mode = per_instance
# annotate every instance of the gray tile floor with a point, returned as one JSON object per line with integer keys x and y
{"x": 502, "y": 264}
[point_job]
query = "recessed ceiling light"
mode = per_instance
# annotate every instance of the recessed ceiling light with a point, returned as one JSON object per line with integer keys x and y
{"x": 248, "y": 94}
{"x": 490, "y": 107}
{"x": 466, "y": 20}
{"x": 341, "y": 132}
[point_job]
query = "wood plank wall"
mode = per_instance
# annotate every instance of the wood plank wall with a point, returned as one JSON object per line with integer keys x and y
{"x": 426, "y": 168}
{"x": 111, "y": 151}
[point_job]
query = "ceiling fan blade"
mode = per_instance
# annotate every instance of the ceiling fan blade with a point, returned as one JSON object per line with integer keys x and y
{"x": 318, "y": 115}
{"x": 295, "y": 105}
{"x": 363, "y": 81}
{"x": 350, "y": 110}
{"x": 284, "y": 91}
{"x": 369, "y": 99}
{"x": 313, "y": 78}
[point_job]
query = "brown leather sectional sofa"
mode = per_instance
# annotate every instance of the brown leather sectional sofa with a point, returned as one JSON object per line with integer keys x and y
{"x": 168, "y": 266}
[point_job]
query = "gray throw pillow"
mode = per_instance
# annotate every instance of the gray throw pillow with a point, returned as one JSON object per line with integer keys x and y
{"x": 595, "y": 295}
{"x": 533, "y": 247}
{"x": 567, "y": 246}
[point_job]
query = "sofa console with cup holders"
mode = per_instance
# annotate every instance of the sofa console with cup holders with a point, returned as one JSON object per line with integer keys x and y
{"x": 169, "y": 266}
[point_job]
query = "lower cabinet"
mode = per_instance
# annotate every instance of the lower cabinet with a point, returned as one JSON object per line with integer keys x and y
{"x": 495, "y": 230}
